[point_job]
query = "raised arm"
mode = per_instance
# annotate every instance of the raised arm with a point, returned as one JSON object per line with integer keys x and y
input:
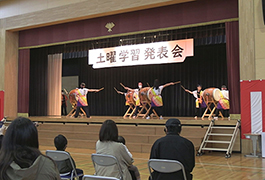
{"x": 128, "y": 89}
{"x": 168, "y": 84}
{"x": 119, "y": 92}
{"x": 94, "y": 90}
{"x": 188, "y": 91}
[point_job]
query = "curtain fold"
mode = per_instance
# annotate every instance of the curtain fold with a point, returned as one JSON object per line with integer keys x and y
{"x": 38, "y": 82}
{"x": 232, "y": 53}
{"x": 54, "y": 84}
{"x": 23, "y": 80}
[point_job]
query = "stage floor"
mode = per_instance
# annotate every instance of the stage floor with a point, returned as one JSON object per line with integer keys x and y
{"x": 119, "y": 120}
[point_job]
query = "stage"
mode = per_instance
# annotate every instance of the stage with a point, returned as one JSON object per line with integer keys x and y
{"x": 186, "y": 121}
{"x": 140, "y": 133}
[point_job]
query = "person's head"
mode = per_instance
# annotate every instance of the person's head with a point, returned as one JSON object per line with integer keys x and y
{"x": 108, "y": 131}
{"x": 223, "y": 87}
{"x": 156, "y": 83}
{"x": 199, "y": 87}
{"x": 20, "y": 145}
{"x": 121, "y": 140}
{"x": 60, "y": 142}
{"x": 173, "y": 126}
{"x": 1, "y": 139}
{"x": 22, "y": 132}
{"x": 82, "y": 85}
{"x": 140, "y": 85}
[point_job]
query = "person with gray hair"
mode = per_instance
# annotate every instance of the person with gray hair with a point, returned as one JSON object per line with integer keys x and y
{"x": 173, "y": 147}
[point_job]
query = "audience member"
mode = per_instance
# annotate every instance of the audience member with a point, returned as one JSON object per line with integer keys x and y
{"x": 133, "y": 169}
{"x": 107, "y": 144}
{"x": 173, "y": 147}
{"x": 20, "y": 158}
{"x": 65, "y": 166}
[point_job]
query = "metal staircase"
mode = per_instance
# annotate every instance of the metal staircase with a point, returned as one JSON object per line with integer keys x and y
{"x": 210, "y": 134}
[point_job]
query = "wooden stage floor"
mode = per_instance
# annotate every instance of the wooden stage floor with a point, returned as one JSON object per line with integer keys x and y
{"x": 186, "y": 121}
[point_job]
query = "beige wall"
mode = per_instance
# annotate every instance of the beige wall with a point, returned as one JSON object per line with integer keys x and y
{"x": 252, "y": 40}
{"x": 259, "y": 32}
{"x": 246, "y": 40}
{"x": 11, "y": 73}
{"x": 10, "y": 8}
{"x": 2, "y": 55}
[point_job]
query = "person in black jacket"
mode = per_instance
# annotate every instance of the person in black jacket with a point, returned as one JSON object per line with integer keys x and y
{"x": 173, "y": 147}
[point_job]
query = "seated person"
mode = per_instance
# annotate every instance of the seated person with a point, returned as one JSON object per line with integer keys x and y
{"x": 133, "y": 169}
{"x": 20, "y": 157}
{"x": 173, "y": 147}
{"x": 107, "y": 144}
{"x": 64, "y": 167}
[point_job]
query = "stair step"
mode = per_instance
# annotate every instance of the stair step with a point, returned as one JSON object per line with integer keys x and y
{"x": 214, "y": 149}
{"x": 218, "y": 134}
{"x": 216, "y": 127}
{"x": 222, "y": 142}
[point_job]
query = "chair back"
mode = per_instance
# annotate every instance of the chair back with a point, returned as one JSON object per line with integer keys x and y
{"x": 92, "y": 177}
{"x": 106, "y": 160}
{"x": 166, "y": 166}
{"x": 61, "y": 156}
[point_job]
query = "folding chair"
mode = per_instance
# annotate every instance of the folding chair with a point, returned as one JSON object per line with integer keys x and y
{"x": 165, "y": 166}
{"x": 61, "y": 156}
{"x": 92, "y": 177}
{"x": 106, "y": 160}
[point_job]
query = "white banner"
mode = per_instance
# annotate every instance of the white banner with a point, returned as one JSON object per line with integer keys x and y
{"x": 141, "y": 54}
{"x": 256, "y": 112}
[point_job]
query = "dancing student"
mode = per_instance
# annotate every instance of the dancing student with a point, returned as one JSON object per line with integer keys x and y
{"x": 64, "y": 167}
{"x": 223, "y": 104}
{"x": 133, "y": 169}
{"x": 107, "y": 144}
{"x": 199, "y": 103}
{"x": 64, "y": 104}
{"x": 82, "y": 99}
{"x": 136, "y": 97}
{"x": 20, "y": 157}
{"x": 156, "y": 100}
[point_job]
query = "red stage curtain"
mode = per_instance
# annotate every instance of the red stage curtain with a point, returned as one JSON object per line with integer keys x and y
{"x": 23, "y": 80}
{"x": 232, "y": 53}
